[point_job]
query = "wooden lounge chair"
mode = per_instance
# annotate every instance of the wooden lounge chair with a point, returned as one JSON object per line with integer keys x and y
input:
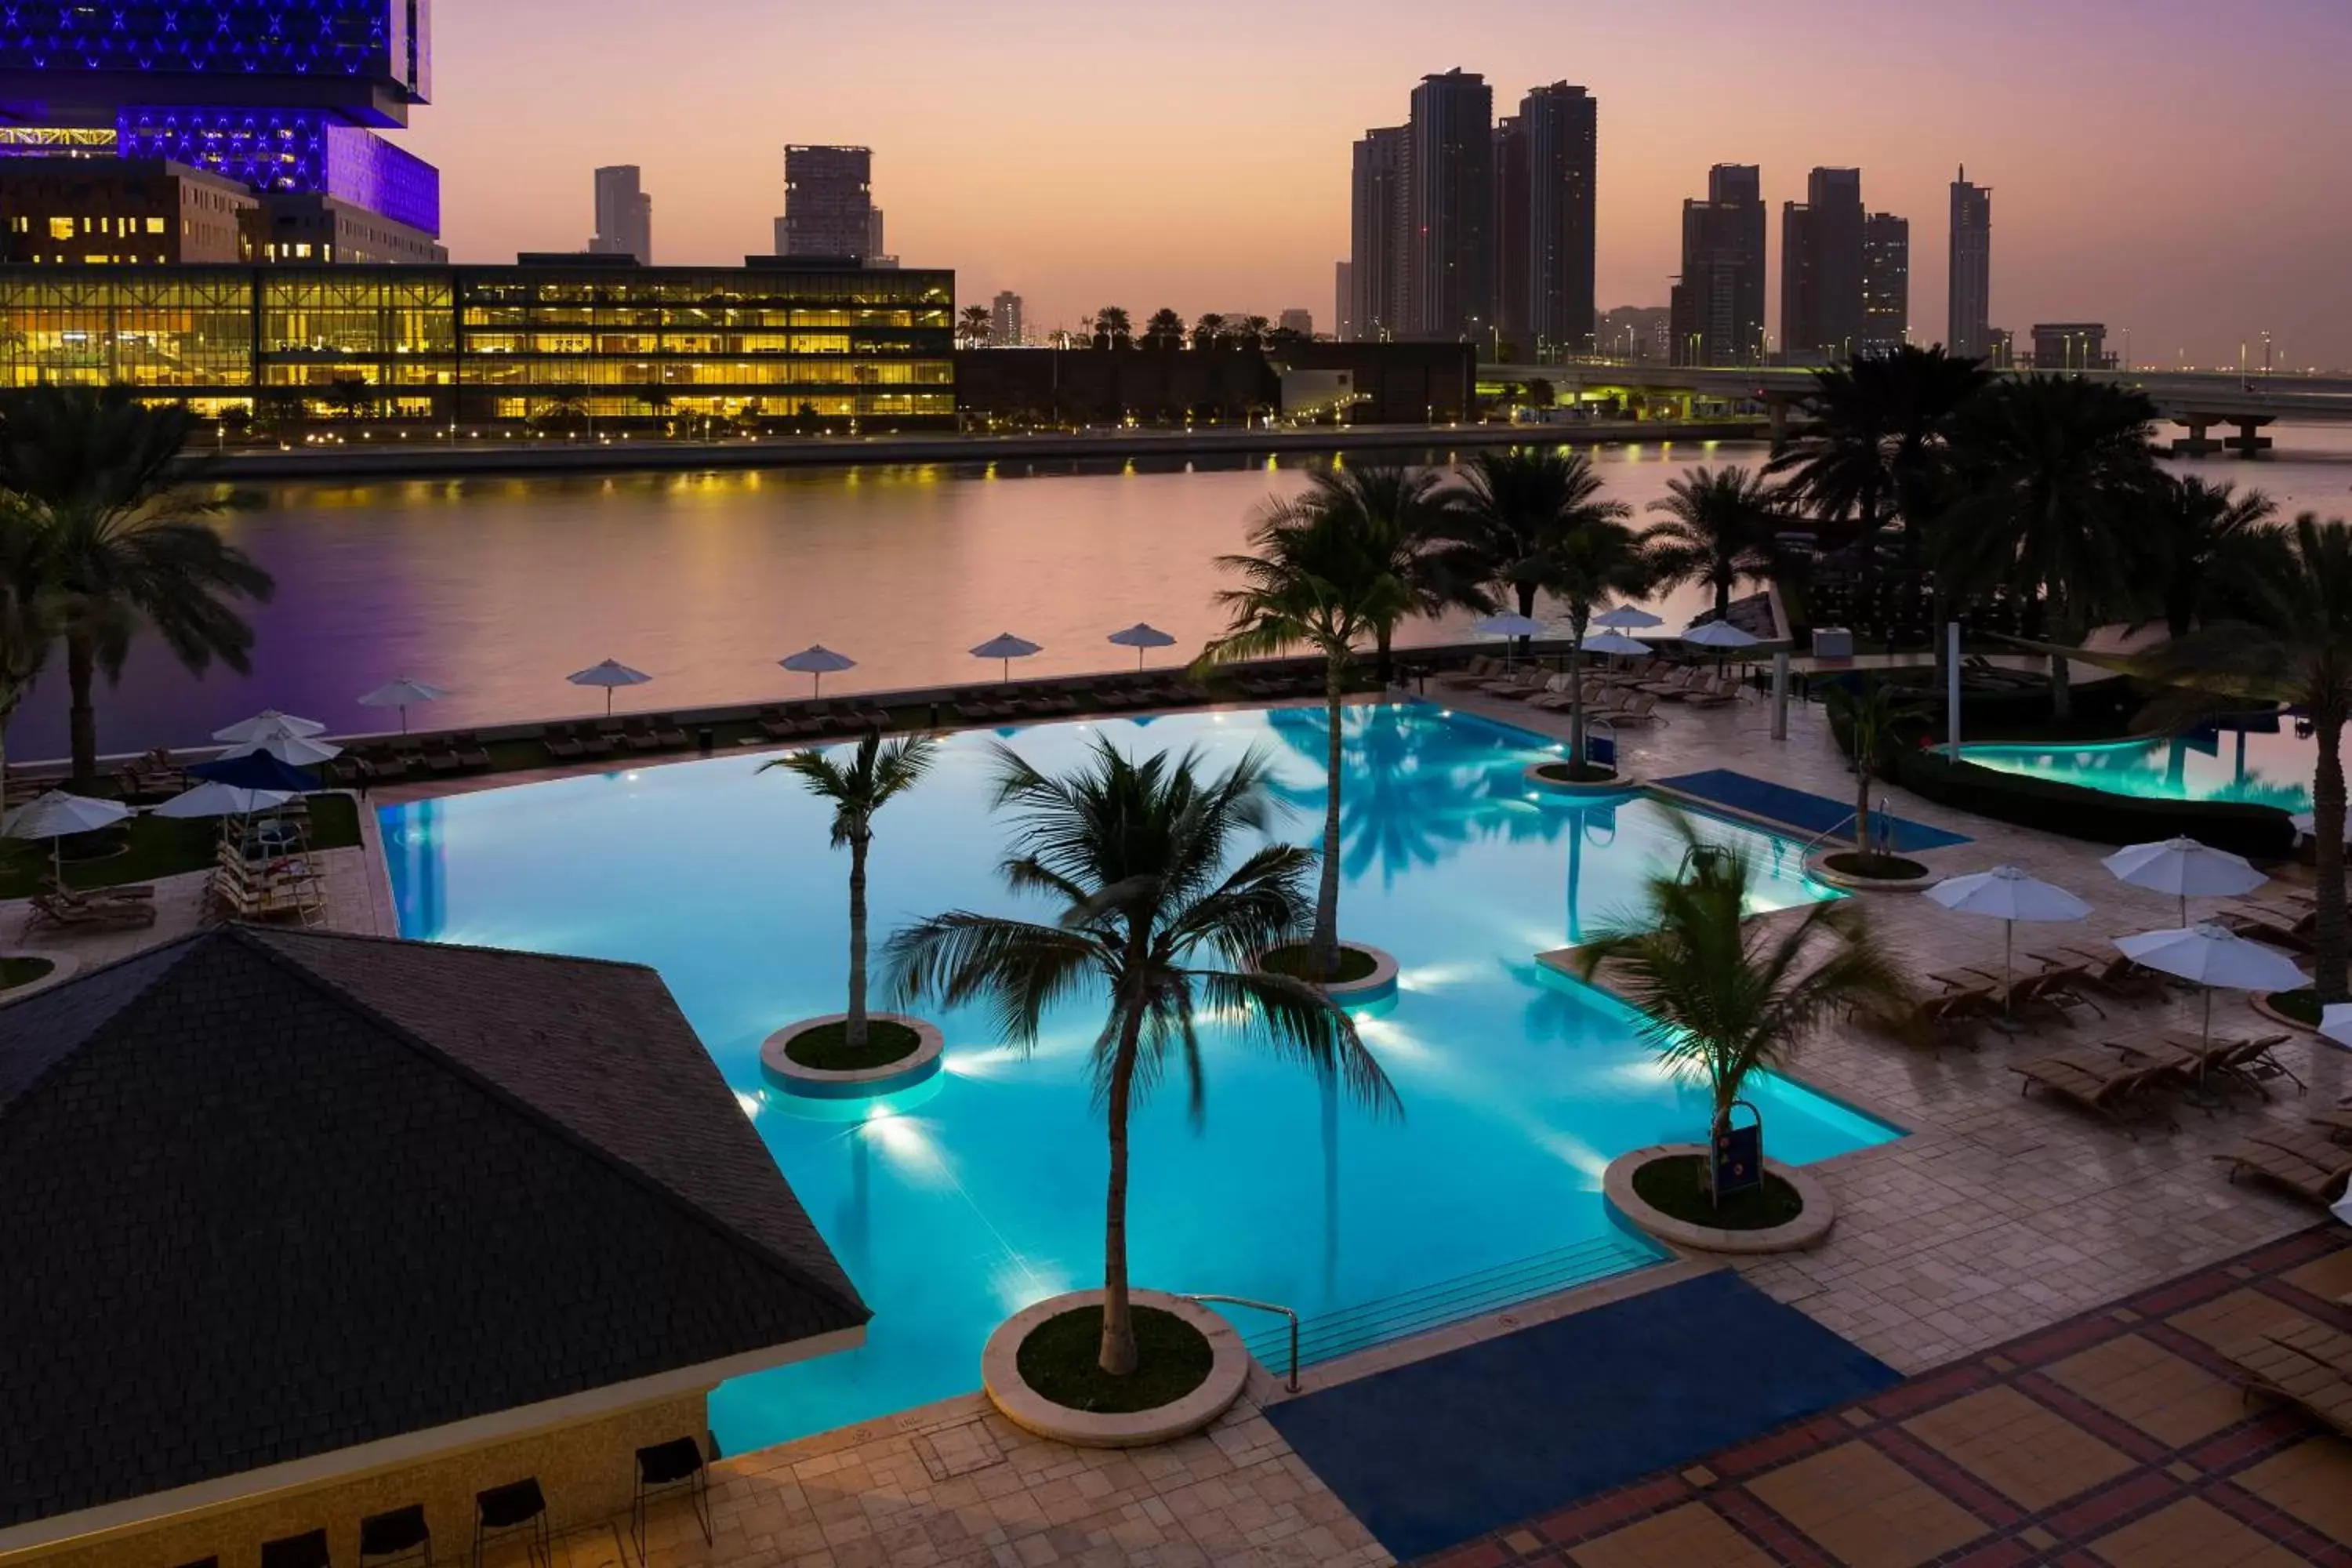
{"x": 2110, "y": 973}
{"x": 471, "y": 752}
{"x": 2305, "y": 1364}
{"x": 562, "y": 744}
{"x": 2306, "y": 1163}
{"x": 2119, "y": 1092}
{"x": 2047, "y": 996}
{"x": 2265, "y": 926}
{"x": 90, "y": 911}
{"x": 597, "y": 740}
{"x": 1641, "y": 708}
{"x": 1479, "y": 668}
{"x": 669, "y": 733}
{"x": 2335, "y": 1123}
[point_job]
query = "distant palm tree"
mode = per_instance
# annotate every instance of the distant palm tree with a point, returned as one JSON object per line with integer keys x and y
{"x": 1722, "y": 995}
{"x": 1112, "y": 322}
{"x": 2293, "y": 646}
{"x": 1718, "y": 531}
{"x": 28, "y": 627}
{"x": 125, "y": 540}
{"x": 1208, "y": 329}
{"x": 1165, "y": 330}
{"x": 2207, "y": 540}
{"x": 1405, "y": 511}
{"x": 1135, "y": 854}
{"x": 876, "y": 775}
{"x": 1323, "y": 576}
{"x": 976, "y": 326}
{"x": 1871, "y": 710}
{"x": 1252, "y": 331}
{"x": 2052, "y": 472}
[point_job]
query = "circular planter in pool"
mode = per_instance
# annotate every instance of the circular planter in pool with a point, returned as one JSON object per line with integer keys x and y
{"x": 862, "y": 1083}
{"x": 1556, "y": 782}
{"x": 1807, "y": 1230}
{"x": 1380, "y": 985}
{"x": 1819, "y": 868}
{"x": 1000, "y": 1371}
{"x": 2261, "y": 1001}
{"x": 62, "y": 967}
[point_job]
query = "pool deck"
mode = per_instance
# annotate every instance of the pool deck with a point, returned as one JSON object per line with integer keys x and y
{"x": 1996, "y": 1219}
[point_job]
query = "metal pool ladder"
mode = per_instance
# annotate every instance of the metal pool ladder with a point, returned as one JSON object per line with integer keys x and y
{"x": 1292, "y": 1383}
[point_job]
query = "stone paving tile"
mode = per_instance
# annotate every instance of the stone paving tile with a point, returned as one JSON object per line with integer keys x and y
{"x": 2190, "y": 1534}
{"x": 1693, "y": 1533}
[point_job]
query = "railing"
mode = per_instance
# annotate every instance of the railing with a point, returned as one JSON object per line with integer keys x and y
{"x": 1291, "y": 1383}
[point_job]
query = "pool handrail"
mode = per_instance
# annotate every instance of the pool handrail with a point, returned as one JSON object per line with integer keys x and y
{"x": 1292, "y": 1383}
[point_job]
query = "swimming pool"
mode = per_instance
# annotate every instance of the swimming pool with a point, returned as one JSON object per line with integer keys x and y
{"x": 2273, "y": 769}
{"x": 981, "y": 1191}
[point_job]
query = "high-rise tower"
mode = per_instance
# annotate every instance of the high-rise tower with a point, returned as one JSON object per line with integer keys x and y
{"x": 1716, "y": 316}
{"x": 625, "y": 214}
{"x": 1821, "y": 267}
{"x": 1376, "y": 235}
{"x": 828, "y": 203}
{"x": 1560, "y": 124}
{"x": 1885, "y": 283}
{"x": 1449, "y": 254}
{"x": 1969, "y": 329}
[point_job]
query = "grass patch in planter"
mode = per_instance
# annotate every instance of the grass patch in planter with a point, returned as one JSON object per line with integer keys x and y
{"x": 1677, "y": 1187}
{"x": 826, "y": 1049}
{"x": 1061, "y": 1359}
{"x": 1882, "y": 867}
{"x": 1576, "y": 773}
{"x": 15, "y": 971}
{"x": 1298, "y": 961}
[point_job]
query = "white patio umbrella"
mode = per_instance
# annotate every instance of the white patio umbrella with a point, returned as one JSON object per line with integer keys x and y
{"x": 1721, "y": 635}
{"x": 1006, "y": 648}
{"x": 57, "y": 816}
{"x": 611, "y": 674}
{"x": 2216, "y": 958}
{"x": 268, "y": 722}
{"x": 2185, "y": 869}
{"x": 2342, "y": 1209}
{"x": 1510, "y": 626}
{"x": 1627, "y": 618}
{"x": 816, "y": 662}
{"x": 222, "y": 800}
{"x": 1141, "y": 635}
{"x": 2008, "y": 895}
{"x": 1617, "y": 644}
{"x": 403, "y": 694}
{"x": 291, "y": 747}
{"x": 2336, "y": 1023}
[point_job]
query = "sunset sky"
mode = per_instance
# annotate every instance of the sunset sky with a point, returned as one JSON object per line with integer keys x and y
{"x": 2176, "y": 167}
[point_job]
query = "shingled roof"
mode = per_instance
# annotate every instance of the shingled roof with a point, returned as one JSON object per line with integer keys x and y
{"x": 264, "y": 1195}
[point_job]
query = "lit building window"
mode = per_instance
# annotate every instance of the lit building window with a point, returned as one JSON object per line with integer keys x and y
{"x": 62, "y": 228}
{"x": 155, "y": 226}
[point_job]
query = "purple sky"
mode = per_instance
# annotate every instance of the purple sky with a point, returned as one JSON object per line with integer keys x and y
{"x": 2175, "y": 168}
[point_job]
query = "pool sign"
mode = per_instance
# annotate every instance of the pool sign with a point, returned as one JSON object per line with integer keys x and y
{"x": 1737, "y": 1161}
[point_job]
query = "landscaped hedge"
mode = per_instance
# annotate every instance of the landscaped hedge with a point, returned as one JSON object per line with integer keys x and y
{"x": 2258, "y": 832}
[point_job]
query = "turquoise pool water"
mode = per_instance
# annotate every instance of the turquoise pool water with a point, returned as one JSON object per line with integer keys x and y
{"x": 981, "y": 1191}
{"x": 2258, "y": 769}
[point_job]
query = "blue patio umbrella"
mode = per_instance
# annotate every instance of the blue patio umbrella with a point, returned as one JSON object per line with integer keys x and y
{"x": 257, "y": 770}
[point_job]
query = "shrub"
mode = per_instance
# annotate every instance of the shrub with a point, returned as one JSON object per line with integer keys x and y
{"x": 2259, "y": 832}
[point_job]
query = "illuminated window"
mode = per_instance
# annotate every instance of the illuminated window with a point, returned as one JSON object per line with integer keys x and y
{"x": 155, "y": 226}
{"x": 62, "y": 228}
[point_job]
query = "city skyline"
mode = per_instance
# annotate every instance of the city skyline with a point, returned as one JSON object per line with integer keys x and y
{"x": 2064, "y": 115}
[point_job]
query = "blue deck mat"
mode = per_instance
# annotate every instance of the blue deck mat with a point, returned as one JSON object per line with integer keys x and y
{"x": 1805, "y": 812}
{"x": 1431, "y": 1454}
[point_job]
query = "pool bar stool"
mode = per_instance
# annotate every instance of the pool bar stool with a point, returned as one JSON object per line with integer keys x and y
{"x": 308, "y": 1550}
{"x": 677, "y": 1463}
{"x": 503, "y": 1511}
{"x": 394, "y": 1536}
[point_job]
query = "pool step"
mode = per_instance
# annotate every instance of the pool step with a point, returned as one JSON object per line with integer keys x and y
{"x": 1351, "y": 1329}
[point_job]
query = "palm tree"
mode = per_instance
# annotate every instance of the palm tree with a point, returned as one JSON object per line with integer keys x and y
{"x": 876, "y": 775}
{"x": 2209, "y": 542}
{"x": 1871, "y": 710}
{"x": 1208, "y": 329}
{"x": 2294, "y": 646}
{"x": 1405, "y": 511}
{"x": 1165, "y": 330}
{"x": 1323, "y": 576}
{"x": 27, "y": 614}
{"x": 2052, "y": 471}
{"x": 1721, "y": 995}
{"x": 1113, "y": 323}
{"x": 976, "y": 326}
{"x": 1252, "y": 331}
{"x": 1135, "y": 853}
{"x": 1718, "y": 531}
{"x": 126, "y": 540}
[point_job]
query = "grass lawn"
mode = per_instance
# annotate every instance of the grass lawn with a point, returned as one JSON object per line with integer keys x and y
{"x": 160, "y": 847}
{"x": 1677, "y": 1188}
{"x": 15, "y": 971}
{"x": 1060, "y": 1360}
{"x": 827, "y": 1048}
{"x": 1295, "y": 962}
{"x": 2302, "y": 1005}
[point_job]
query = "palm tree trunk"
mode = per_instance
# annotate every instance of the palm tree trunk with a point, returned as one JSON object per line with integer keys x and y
{"x": 1325, "y": 944}
{"x": 1723, "y": 595}
{"x": 1861, "y": 799}
{"x": 2328, "y": 926}
{"x": 81, "y": 673}
{"x": 1382, "y": 637}
{"x": 1526, "y": 592}
{"x": 2062, "y": 687}
{"x": 1576, "y": 699}
{"x": 854, "y": 1031}
{"x": 1118, "y": 1356}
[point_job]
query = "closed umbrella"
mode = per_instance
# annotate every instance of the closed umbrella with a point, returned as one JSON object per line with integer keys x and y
{"x": 2185, "y": 869}
{"x": 1626, "y": 619}
{"x": 57, "y": 816}
{"x": 403, "y": 694}
{"x": 817, "y": 662}
{"x": 257, "y": 770}
{"x": 212, "y": 799}
{"x": 612, "y": 675}
{"x": 1006, "y": 648}
{"x": 2216, "y": 958}
{"x": 288, "y": 746}
{"x": 2008, "y": 895}
{"x": 1141, "y": 635}
{"x": 268, "y": 722}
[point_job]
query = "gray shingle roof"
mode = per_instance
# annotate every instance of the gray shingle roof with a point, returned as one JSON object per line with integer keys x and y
{"x": 266, "y": 1194}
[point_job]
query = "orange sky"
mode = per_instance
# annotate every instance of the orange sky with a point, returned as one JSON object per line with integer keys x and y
{"x": 2174, "y": 168}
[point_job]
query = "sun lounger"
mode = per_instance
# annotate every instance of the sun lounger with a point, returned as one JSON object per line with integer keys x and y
{"x": 2335, "y": 1123}
{"x": 68, "y": 911}
{"x": 1480, "y": 669}
{"x": 471, "y": 752}
{"x": 2119, "y": 1092}
{"x": 2110, "y": 973}
{"x": 2305, "y": 1163}
{"x": 2305, "y": 1364}
{"x": 2047, "y": 996}
{"x": 1641, "y": 708}
{"x": 2263, "y": 925}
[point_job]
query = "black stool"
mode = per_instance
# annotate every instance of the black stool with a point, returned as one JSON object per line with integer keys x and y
{"x": 308, "y": 1550}
{"x": 500, "y": 1510}
{"x": 677, "y": 1463}
{"x": 402, "y": 1532}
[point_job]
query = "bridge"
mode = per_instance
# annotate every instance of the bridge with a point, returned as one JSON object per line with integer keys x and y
{"x": 2198, "y": 400}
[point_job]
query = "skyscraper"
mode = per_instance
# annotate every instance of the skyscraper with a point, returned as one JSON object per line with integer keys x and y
{"x": 1969, "y": 328}
{"x": 1716, "y": 316}
{"x": 1561, "y": 129}
{"x": 1296, "y": 319}
{"x": 1821, "y": 267}
{"x": 1511, "y": 215}
{"x": 1007, "y": 329}
{"x": 1449, "y": 256}
{"x": 1376, "y": 235}
{"x": 828, "y": 202}
{"x": 1885, "y": 283}
{"x": 625, "y": 214}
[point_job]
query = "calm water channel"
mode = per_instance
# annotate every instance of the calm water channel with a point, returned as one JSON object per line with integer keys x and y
{"x": 497, "y": 588}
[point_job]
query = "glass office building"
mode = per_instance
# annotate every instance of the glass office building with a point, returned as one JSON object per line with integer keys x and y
{"x": 480, "y": 345}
